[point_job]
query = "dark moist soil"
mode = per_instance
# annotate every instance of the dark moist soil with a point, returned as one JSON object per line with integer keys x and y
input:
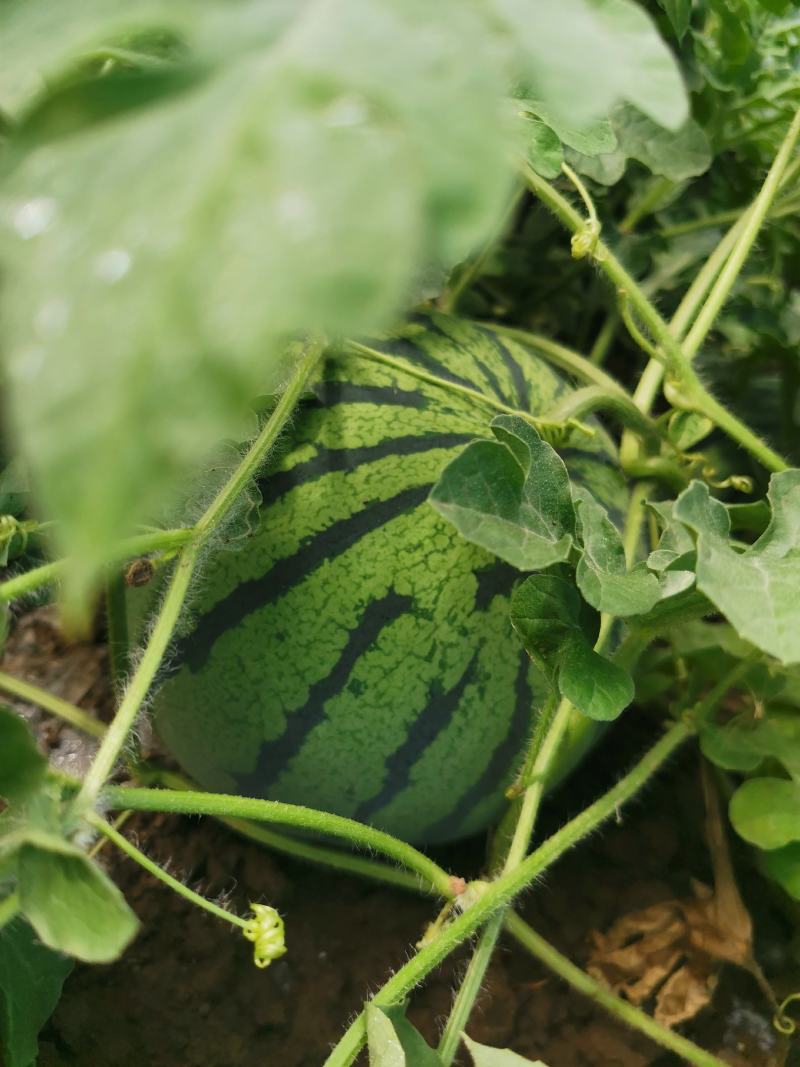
{"x": 186, "y": 993}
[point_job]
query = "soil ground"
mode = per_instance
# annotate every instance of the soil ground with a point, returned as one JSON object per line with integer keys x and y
{"x": 186, "y": 993}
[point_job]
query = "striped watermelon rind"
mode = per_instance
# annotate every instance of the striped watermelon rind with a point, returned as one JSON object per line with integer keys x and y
{"x": 357, "y": 656}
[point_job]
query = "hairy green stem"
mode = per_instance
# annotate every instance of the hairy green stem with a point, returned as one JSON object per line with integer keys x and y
{"x": 172, "y": 604}
{"x": 50, "y": 573}
{"x": 33, "y": 694}
{"x": 754, "y": 221}
{"x": 297, "y": 848}
{"x": 124, "y": 845}
{"x": 504, "y": 889}
{"x": 273, "y": 811}
{"x": 9, "y": 909}
{"x": 680, "y": 366}
{"x": 589, "y": 987}
{"x": 470, "y": 988}
{"x": 543, "y": 749}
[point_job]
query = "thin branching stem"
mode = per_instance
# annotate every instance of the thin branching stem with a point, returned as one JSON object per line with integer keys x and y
{"x": 34, "y": 694}
{"x": 130, "y": 850}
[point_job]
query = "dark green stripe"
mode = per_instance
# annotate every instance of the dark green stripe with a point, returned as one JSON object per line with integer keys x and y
{"x": 514, "y": 368}
{"x": 275, "y": 485}
{"x": 432, "y": 721}
{"x": 284, "y": 574}
{"x": 274, "y": 756}
{"x": 331, "y": 393}
{"x": 500, "y": 767}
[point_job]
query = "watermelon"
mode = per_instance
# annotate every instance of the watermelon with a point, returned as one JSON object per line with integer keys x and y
{"x": 356, "y": 655}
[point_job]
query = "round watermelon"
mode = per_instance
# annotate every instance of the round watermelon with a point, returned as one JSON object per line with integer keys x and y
{"x": 356, "y": 655}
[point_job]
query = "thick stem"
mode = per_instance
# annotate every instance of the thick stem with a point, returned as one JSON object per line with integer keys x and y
{"x": 139, "y": 686}
{"x": 233, "y": 807}
{"x": 502, "y": 891}
{"x": 124, "y": 845}
{"x": 297, "y": 848}
{"x": 621, "y": 1009}
{"x": 32, "y": 694}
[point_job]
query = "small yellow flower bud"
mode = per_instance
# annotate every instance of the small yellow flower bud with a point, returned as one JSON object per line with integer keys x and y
{"x": 266, "y": 931}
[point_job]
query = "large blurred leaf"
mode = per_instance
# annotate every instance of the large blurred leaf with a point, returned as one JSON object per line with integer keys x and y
{"x": 583, "y": 57}
{"x": 511, "y": 496}
{"x": 31, "y": 977}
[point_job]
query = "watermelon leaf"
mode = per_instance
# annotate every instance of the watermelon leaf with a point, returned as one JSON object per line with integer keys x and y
{"x": 758, "y": 589}
{"x": 558, "y": 631}
{"x": 72, "y": 905}
{"x": 394, "y": 1042}
{"x": 22, "y": 766}
{"x": 483, "y": 1056}
{"x": 602, "y": 573}
{"x": 31, "y": 977}
{"x": 766, "y": 812}
{"x": 510, "y": 496}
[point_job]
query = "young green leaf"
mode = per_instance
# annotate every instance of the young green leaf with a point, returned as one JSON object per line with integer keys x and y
{"x": 558, "y": 630}
{"x": 22, "y": 766}
{"x": 675, "y": 154}
{"x": 72, "y": 905}
{"x": 738, "y": 747}
{"x": 483, "y": 1056}
{"x": 394, "y": 1042}
{"x": 687, "y": 428}
{"x": 545, "y": 154}
{"x": 602, "y": 573}
{"x": 766, "y": 812}
{"x": 31, "y": 977}
{"x": 592, "y": 138}
{"x": 783, "y": 865}
{"x": 758, "y": 589}
{"x": 302, "y": 185}
{"x": 510, "y": 496}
